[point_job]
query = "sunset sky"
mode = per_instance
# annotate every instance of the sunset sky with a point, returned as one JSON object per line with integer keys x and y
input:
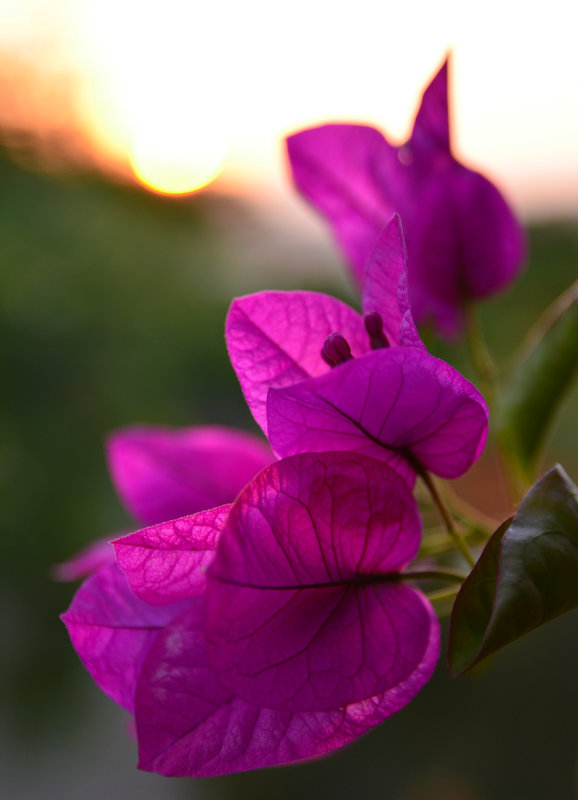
{"x": 182, "y": 92}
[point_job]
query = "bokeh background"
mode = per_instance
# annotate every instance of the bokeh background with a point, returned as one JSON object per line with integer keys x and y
{"x": 112, "y": 303}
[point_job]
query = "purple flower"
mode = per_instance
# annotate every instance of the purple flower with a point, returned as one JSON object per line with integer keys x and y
{"x": 308, "y": 571}
{"x": 163, "y": 473}
{"x": 463, "y": 240}
{"x": 385, "y": 395}
{"x": 160, "y": 473}
{"x": 112, "y": 631}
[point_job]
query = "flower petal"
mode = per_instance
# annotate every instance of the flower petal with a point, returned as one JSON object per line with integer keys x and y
{"x": 400, "y": 405}
{"x": 167, "y": 562}
{"x": 463, "y": 241}
{"x": 431, "y": 131}
{"x": 337, "y": 168}
{"x": 189, "y": 723}
{"x": 275, "y": 339}
{"x": 306, "y": 610}
{"x": 111, "y": 630}
{"x": 165, "y": 473}
{"x": 385, "y": 287}
{"x": 466, "y": 244}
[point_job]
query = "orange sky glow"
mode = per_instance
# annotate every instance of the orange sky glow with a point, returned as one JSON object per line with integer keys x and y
{"x": 179, "y": 94}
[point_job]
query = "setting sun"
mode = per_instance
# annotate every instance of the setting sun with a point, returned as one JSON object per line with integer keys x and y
{"x": 176, "y": 93}
{"x": 173, "y": 157}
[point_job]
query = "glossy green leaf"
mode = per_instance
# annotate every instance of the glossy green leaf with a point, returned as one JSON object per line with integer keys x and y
{"x": 538, "y": 385}
{"x": 526, "y": 575}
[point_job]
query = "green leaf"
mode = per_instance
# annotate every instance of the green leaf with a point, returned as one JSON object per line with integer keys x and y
{"x": 526, "y": 575}
{"x": 538, "y": 384}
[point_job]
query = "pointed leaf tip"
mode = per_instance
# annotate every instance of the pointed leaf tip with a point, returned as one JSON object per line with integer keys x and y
{"x": 526, "y": 575}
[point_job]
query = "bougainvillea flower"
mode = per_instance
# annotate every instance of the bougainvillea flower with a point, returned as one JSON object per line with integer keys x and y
{"x": 341, "y": 518}
{"x": 111, "y": 627}
{"x": 164, "y": 473}
{"x": 168, "y": 562}
{"x": 111, "y": 630}
{"x": 404, "y": 406}
{"x": 307, "y": 609}
{"x": 383, "y": 395}
{"x": 464, "y": 242}
{"x": 190, "y": 723}
{"x": 158, "y": 472}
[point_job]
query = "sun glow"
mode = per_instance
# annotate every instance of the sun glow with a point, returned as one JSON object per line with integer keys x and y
{"x": 166, "y": 91}
{"x": 176, "y": 157}
{"x": 157, "y": 93}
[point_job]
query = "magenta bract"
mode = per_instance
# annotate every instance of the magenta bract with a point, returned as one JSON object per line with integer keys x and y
{"x": 112, "y": 630}
{"x": 463, "y": 240}
{"x": 275, "y": 339}
{"x": 385, "y": 287}
{"x": 400, "y": 405}
{"x": 167, "y": 562}
{"x": 164, "y": 473}
{"x": 353, "y": 524}
{"x": 190, "y": 723}
{"x": 306, "y": 609}
{"x": 112, "y": 624}
{"x": 396, "y": 403}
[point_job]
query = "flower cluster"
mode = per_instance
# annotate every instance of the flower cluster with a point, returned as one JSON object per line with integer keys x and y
{"x": 277, "y": 619}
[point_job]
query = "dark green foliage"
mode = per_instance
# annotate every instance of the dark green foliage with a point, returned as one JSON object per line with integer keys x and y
{"x": 540, "y": 382}
{"x": 526, "y": 576}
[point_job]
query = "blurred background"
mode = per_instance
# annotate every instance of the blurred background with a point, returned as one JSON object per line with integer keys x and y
{"x": 143, "y": 184}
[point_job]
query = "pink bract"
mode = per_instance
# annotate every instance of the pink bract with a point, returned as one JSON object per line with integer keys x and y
{"x": 400, "y": 405}
{"x": 306, "y": 607}
{"x": 190, "y": 723}
{"x": 164, "y": 473}
{"x": 275, "y": 339}
{"x": 464, "y": 242}
{"x": 165, "y": 563}
{"x": 154, "y": 659}
{"x": 396, "y": 403}
{"x": 112, "y": 630}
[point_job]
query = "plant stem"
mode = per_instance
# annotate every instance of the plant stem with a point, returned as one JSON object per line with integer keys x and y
{"x": 436, "y": 544}
{"x": 486, "y": 369}
{"x": 435, "y": 575}
{"x": 442, "y": 594}
{"x": 481, "y": 358}
{"x": 446, "y": 516}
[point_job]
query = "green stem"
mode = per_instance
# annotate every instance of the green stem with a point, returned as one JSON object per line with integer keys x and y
{"x": 442, "y": 594}
{"x": 481, "y": 358}
{"x": 446, "y": 516}
{"x": 485, "y": 367}
{"x": 436, "y": 544}
{"x": 435, "y": 575}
